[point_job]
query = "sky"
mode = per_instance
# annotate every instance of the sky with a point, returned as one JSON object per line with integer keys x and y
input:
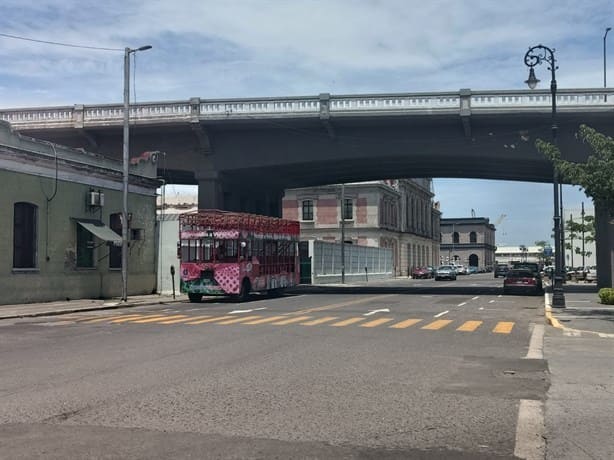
{"x": 252, "y": 48}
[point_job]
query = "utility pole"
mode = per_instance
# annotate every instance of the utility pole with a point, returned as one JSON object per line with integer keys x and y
{"x": 342, "y": 233}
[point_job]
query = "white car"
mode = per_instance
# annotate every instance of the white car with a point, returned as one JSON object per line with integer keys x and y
{"x": 591, "y": 275}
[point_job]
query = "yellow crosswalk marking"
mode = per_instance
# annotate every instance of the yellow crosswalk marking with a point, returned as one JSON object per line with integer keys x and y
{"x": 239, "y": 319}
{"x": 376, "y": 322}
{"x": 347, "y": 322}
{"x": 108, "y": 318}
{"x": 296, "y": 319}
{"x": 470, "y": 326}
{"x": 503, "y": 327}
{"x": 183, "y": 319}
{"x": 406, "y": 323}
{"x": 156, "y": 318}
{"x": 437, "y": 324}
{"x": 266, "y": 320}
{"x": 123, "y": 320}
{"x": 315, "y": 322}
{"x": 209, "y": 320}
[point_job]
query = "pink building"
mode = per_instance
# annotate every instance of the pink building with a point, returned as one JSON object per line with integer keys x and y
{"x": 398, "y": 214}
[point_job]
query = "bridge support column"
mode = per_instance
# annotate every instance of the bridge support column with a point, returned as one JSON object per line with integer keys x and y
{"x": 210, "y": 194}
{"x": 604, "y": 235}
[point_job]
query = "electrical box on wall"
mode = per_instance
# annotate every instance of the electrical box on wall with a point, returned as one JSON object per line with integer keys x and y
{"x": 95, "y": 198}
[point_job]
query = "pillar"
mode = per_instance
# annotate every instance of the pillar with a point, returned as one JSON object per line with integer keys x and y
{"x": 604, "y": 236}
{"x": 210, "y": 194}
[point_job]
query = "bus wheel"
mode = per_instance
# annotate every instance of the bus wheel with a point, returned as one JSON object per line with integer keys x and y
{"x": 196, "y": 298}
{"x": 244, "y": 293}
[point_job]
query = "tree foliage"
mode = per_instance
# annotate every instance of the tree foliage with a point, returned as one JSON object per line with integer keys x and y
{"x": 596, "y": 175}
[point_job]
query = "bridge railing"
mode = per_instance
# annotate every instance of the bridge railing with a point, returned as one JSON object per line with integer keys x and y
{"x": 195, "y": 109}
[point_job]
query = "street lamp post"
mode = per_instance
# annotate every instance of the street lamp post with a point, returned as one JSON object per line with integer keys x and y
{"x": 534, "y": 56}
{"x": 605, "y": 96}
{"x": 342, "y": 234}
{"x": 126, "y": 163}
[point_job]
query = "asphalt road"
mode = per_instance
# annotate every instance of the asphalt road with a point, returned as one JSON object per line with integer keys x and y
{"x": 401, "y": 369}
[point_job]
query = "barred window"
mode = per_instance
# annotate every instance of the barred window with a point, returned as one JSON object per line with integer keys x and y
{"x": 24, "y": 235}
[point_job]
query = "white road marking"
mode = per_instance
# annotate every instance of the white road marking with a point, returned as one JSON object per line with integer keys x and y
{"x": 500, "y": 295}
{"x": 491, "y": 301}
{"x": 530, "y": 428}
{"x": 481, "y": 308}
{"x": 441, "y": 314}
{"x": 461, "y": 304}
{"x": 475, "y": 298}
{"x": 246, "y": 311}
{"x": 381, "y": 310}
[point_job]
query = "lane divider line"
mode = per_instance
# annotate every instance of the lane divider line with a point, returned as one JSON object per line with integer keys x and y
{"x": 347, "y": 322}
{"x": 435, "y": 325}
{"x": 376, "y": 322}
{"x": 441, "y": 314}
{"x": 405, "y": 324}
{"x": 315, "y": 322}
{"x": 470, "y": 326}
{"x": 342, "y": 304}
{"x": 503, "y": 327}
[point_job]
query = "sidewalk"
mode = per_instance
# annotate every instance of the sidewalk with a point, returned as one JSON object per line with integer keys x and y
{"x": 63, "y": 307}
{"x": 579, "y": 349}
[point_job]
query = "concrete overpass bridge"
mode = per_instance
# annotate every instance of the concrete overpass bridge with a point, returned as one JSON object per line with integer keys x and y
{"x": 243, "y": 153}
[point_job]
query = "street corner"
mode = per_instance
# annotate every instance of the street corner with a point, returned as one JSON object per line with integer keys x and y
{"x": 584, "y": 317}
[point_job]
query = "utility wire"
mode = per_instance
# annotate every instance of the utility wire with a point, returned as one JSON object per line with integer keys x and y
{"x": 70, "y": 45}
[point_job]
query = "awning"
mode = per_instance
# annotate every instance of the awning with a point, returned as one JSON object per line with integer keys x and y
{"x": 100, "y": 230}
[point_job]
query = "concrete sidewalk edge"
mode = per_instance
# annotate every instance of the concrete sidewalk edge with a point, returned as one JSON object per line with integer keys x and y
{"x": 554, "y": 322}
{"x": 68, "y": 311}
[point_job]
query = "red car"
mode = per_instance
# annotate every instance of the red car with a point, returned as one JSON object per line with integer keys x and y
{"x": 421, "y": 273}
{"x": 522, "y": 281}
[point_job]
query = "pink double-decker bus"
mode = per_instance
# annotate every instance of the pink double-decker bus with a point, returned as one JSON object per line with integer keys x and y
{"x": 232, "y": 253}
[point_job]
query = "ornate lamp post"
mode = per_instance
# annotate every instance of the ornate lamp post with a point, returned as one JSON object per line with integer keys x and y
{"x": 537, "y": 55}
{"x": 605, "y": 96}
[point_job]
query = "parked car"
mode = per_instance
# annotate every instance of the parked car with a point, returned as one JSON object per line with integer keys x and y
{"x": 591, "y": 275}
{"x": 532, "y": 266}
{"x": 472, "y": 270}
{"x": 445, "y": 272}
{"x": 421, "y": 273}
{"x": 522, "y": 281}
{"x": 501, "y": 270}
{"x": 461, "y": 270}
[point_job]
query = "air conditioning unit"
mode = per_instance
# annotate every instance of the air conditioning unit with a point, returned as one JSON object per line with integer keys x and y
{"x": 95, "y": 198}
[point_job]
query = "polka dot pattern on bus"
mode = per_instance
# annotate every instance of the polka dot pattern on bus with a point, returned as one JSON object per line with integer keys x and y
{"x": 228, "y": 278}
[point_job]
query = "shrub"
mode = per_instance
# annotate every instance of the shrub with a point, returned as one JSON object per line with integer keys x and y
{"x": 606, "y": 295}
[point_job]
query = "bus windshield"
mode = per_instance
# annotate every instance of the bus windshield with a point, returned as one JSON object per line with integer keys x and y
{"x": 209, "y": 250}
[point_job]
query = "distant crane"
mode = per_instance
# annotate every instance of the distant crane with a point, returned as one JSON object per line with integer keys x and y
{"x": 500, "y": 219}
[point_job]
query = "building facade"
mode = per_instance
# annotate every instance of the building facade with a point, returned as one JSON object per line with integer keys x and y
{"x": 396, "y": 214}
{"x": 506, "y": 255}
{"x": 61, "y": 222}
{"x": 468, "y": 241}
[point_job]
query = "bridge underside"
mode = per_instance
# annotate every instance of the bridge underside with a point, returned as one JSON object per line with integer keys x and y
{"x": 246, "y": 165}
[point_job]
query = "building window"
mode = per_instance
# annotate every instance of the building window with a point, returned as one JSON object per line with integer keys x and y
{"x": 85, "y": 248}
{"x": 348, "y": 212}
{"x": 115, "y": 252}
{"x": 307, "y": 210}
{"x": 473, "y": 238}
{"x": 24, "y": 235}
{"x": 455, "y": 238}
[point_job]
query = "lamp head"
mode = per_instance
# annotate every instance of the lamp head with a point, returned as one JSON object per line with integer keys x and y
{"x": 532, "y": 81}
{"x": 143, "y": 48}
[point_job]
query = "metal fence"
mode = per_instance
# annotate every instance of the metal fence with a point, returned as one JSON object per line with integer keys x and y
{"x": 361, "y": 262}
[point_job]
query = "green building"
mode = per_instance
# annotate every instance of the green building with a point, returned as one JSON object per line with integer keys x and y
{"x": 61, "y": 225}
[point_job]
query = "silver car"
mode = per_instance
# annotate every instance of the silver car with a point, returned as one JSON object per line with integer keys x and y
{"x": 445, "y": 272}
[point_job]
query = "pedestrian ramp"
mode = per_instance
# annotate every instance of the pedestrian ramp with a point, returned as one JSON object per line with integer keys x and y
{"x": 391, "y": 323}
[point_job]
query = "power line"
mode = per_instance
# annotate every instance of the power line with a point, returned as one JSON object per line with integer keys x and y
{"x": 70, "y": 45}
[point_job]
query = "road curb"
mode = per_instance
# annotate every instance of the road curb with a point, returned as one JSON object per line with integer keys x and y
{"x": 554, "y": 322}
{"x": 82, "y": 309}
